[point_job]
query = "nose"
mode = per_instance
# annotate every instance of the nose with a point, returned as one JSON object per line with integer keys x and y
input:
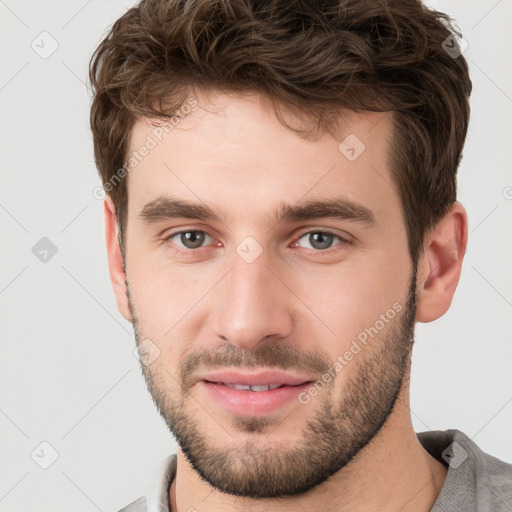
{"x": 252, "y": 304}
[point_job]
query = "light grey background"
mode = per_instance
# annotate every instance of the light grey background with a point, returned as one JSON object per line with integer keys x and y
{"x": 68, "y": 373}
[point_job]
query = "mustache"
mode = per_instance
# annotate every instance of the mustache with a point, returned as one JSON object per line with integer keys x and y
{"x": 272, "y": 354}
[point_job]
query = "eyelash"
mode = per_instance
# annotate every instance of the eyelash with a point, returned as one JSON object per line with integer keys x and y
{"x": 187, "y": 252}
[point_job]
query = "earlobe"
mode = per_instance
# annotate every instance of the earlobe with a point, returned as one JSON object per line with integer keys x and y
{"x": 441, "y": 263}
{"x": 115, "y": 260}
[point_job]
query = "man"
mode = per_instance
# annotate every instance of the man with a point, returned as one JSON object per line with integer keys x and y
{"x": 280, "y": 211}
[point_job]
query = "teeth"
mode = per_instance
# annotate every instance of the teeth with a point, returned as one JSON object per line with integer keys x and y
{"x": 245, "y": 387}
{"x": 262, "y": 387}
{"x": 238, "y": 386}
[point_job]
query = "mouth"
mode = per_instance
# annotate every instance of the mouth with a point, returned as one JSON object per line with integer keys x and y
{"x": 254, "y": 387}
{"x": 262, "y": 380}
{"x": 253, "y": 399}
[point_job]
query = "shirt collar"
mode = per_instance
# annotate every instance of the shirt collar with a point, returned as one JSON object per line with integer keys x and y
{"x": 157, "y": 496}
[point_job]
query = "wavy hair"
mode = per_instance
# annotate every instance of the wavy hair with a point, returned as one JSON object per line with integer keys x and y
{"x": 312, "y": 57}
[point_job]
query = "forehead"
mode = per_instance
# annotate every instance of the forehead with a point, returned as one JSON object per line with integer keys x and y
{"x": 234, "y": 152}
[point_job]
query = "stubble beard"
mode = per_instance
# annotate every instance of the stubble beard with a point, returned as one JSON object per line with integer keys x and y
{"x": 258, "y": 467}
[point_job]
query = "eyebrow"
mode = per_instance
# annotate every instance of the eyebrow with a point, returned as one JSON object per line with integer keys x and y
{"x": 165, "y": 208}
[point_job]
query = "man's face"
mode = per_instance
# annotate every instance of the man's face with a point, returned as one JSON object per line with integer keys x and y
{"x": 261, "y": 287}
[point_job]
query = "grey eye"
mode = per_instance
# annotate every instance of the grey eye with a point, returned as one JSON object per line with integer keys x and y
{"x": 192, "y": 239}
{"x": 319, "y": 240}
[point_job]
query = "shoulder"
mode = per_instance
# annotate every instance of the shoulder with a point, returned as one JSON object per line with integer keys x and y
{"x": 493, "y": 480}
{"x": 492, "y": 477}
{"x": 476, "y": 480}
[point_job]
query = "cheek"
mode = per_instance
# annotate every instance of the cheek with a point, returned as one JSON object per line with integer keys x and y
{"x": 172, "y": 304}
{"x": 347, "y": 299}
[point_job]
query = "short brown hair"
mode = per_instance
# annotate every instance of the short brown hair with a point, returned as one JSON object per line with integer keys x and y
{"x": 313, "y": 57}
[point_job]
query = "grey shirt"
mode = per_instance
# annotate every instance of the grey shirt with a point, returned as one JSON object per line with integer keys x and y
{"x": 475, "y": 482}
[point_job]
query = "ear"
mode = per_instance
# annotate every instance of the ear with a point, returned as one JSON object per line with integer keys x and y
{"x": 441, "y": 263}
{"x": 115, "y": 260}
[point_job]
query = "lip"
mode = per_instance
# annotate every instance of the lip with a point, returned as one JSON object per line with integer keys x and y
{"x": 255, "y": 378}
{"x": 252, "y": 403}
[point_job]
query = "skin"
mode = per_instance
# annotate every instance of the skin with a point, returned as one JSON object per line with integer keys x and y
{"x": 296, "y": 307}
